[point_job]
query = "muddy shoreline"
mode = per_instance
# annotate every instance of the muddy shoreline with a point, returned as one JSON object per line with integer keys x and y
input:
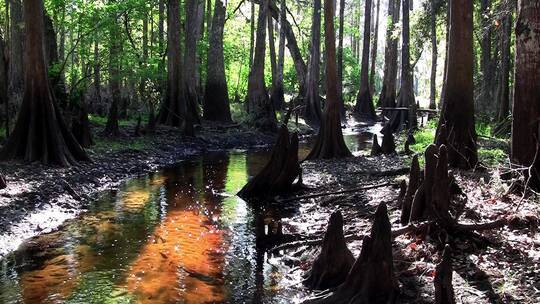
{"x": 39, "y": 199}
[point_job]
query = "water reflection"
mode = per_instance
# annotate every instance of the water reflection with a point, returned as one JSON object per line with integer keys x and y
{"x": 177, "y": 236}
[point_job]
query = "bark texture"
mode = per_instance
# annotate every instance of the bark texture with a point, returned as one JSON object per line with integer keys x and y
{"x": 260, "y": 109}
{"x": 457, "y": 115}
{"x": 330, "y": 142}
{"x": 333, "y": 263}
{"x": 387, "y": 98}
{"x": 401, "y": 120}
{"x": 190, "y": 79}
{"x": 312, "y": 110}
{"x": 173, "y": 106}
{"x": 216, "y": 100}
{"x": 503, "y": 93}
{"x": 40, "y": 133}
{"x": 364, "y": 102}
{"x": 525, "y": 126}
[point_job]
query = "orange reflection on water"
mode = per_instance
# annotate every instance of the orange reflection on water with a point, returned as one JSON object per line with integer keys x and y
{"x": 54, "y": 282}
{"x": 182, "y": 261}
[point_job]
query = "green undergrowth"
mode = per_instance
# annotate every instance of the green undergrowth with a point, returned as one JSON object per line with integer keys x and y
{"x": 102, "y": 120}
{"x": 489, "y": 154}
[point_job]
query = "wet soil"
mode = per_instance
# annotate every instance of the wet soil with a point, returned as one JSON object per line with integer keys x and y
{"x": 39, "y": 198}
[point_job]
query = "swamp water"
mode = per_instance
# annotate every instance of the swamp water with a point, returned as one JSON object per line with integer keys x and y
{"x": 179, "y": 235}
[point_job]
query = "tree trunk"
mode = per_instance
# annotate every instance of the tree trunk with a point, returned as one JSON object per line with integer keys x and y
{"x": 40, "y": 133}
{"x": 434, "y": 57}
{"x": 387, "y": 98}
{"x": 80, "y": 127}
{"x": 457, "y": 115}
{"x": 330, "y": 142}
{"x": 216, "y": 100}
{"x": 486, "y": 96}
{"x": 115, "y": 51}
{"x": 16, "y": 52}
{"x": 292, "y": 45}
{"x": 374, "y": 50}
{"x": 97, "y": 75}
{"x": 504, "y": 82}
{"x": 252, "y": 34}
{"x": 312, "y": 110}
{"x": 190, "y": 72}
{"x": 364, "y": 101}
{"x": 525, "y": 125}
{"x": 273, "y": 57}
{"x": 277, "y": 96}
{"x": 173, "y": 107}
{"x": 260, "y": 109}
{"x": 447, "y": 45}
{"x": 402, "y": 119}
{"x": 340, "y": 58}
{"x": 4, "y": 82}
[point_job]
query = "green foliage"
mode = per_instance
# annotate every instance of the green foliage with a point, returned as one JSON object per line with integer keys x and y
{"x": 492, "y": 157}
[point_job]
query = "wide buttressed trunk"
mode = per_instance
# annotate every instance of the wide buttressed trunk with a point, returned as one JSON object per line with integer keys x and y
{"x": 260, "y": 109}
{"x": 364, "y": 101}
{"x": 216, "y": 99}
{"x": 456, "y": 127}
{"x": 330, "y": 142}
{"x": 526, "y": 110}
{"x": 173, "y": 108}
{"x": 40, "y": 133}
{"x": 312, "y": 110}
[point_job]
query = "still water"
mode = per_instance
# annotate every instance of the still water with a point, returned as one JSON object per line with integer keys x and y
{"x": 179, "y": 235}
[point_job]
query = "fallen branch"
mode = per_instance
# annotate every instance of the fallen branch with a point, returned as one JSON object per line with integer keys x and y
{"x": 485, "y": 226}
{"x": 300, "y": 197}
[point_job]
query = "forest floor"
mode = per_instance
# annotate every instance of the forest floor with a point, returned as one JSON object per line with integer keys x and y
{"x": 38, "y": 198}
{"x": 494, "y": 266}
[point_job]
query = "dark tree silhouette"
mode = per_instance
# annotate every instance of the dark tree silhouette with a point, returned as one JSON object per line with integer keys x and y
{"x": 371, "y": 278}
{"x": 387, "y": 98}
{"x": 260, "y": 109}
{"x": 457, "y": 115}
{"x": 333, "y": 263}
{"x": 216, "y": 98}
{"x": 173, "y": 107}
{"x": 115, "y": 50}
{"x": 40, "y": 133}
{"x": 403, "y": 119}
{"x": 364, "y": 102}
{"x": 330, "y": 142}
{"x": 312, "y": 110}
{"x": 526, "y": 120}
